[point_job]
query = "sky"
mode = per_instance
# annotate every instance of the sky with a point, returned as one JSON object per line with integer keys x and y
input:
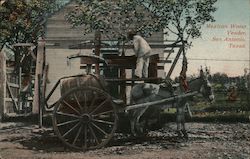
{"x": 222, "y": 56}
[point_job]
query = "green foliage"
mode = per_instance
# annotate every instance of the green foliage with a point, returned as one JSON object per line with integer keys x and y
{"x": 113, "y": 18}
{"x": 22, "y": 21}
{"x": 227, "y": 118}
{"x": 185, "y": 17}
{"x": 220, "y": 78}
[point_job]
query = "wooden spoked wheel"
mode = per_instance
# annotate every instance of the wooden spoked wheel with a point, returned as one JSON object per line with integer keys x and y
{"x": 85, "y": 118}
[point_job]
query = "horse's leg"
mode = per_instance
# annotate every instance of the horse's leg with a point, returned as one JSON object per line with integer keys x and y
{"x": 184, "y": 132}
{"x": 132, "y": 117}
{"x": 139, "y": 127}
{"x": 132, "y": 125}
{"x": 178, "y": 120}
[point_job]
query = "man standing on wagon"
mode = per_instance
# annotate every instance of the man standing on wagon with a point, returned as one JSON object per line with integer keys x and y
{"x": 142, "y": 52}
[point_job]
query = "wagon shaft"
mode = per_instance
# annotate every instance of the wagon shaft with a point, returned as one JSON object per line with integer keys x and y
{"x": 142, "y": 105}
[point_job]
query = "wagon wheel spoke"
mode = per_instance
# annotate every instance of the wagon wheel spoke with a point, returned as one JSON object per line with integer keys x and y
{"x": 102, "y": 113}
{"x": 77, "y": 135}
{"x": 105, "y": 133}
{"x": 85, "y": 136}
{"x": 104, "y": 122}
{"x": 85, "y": 102}
{"x": 100, "y": 105}
{"x": 67, "y": 114}
{"x": 93, "y": 100}
{"x": 68, "y": 122}
{"x": 70, "y": 130}
{"x": 93, "y": 134}
{"x": 71, "y": 107}
{"x": 78, "y": 103}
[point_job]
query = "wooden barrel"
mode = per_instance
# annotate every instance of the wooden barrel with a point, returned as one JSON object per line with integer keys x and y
{"x": 84, "y": 80}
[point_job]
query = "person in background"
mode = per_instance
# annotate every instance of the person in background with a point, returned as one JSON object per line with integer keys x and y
{"x": 142, "y": 51}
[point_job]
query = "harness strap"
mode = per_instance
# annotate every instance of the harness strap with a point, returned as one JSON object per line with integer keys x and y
{"x": 184, "y": 83}
{"x": 183, "y": 76}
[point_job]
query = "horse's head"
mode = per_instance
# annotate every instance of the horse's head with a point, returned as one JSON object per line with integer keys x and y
{"x": 206, "y": 87}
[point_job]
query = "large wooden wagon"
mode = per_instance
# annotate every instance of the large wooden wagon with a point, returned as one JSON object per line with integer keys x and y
{"x": 86, "y": 115}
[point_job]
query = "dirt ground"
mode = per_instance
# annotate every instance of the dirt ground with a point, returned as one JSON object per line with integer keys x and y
{"x": 225, "y": 141}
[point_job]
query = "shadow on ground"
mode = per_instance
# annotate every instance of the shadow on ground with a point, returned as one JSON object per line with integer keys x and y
{"x": 44, "y": 140}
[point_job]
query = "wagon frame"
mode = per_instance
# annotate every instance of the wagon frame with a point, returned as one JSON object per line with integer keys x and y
{"x": 86, "y": 117}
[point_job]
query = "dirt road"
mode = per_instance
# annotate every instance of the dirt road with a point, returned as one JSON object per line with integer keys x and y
{"x": 225, "y": 141}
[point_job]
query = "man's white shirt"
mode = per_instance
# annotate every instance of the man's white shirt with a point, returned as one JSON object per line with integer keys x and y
{"x": 141, "y": 47}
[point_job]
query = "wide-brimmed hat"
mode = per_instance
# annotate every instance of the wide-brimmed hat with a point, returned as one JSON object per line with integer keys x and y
{"x": 131, "y": 33}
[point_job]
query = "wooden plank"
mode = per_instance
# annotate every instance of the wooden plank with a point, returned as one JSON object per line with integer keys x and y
{"x": 160, "y": 67}
{"x": 52, "y": 44}
{"x": 159, "y": 45}
{"x": 175, "y": 61}
{"x": 2, "y": 84}
{"x": 133, "y": 79}
{"x": 9, "y": 69}
{"x": 12, "y": 97}
{"x": 23, "y": 44}
{"x": 14, "y": 85}
{"x": 39, "y": 70}
{"x": 165, "y": 61}
{"x": 129, "y": 61}
{"x": 168, "y": 51}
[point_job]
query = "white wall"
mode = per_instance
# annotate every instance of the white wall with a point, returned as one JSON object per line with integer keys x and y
{"x": 59, "y": 67}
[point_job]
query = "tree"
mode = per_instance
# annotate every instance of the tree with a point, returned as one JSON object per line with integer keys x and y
{"x": 113, "y": 18}
{"x": 22, "y": 21}
{"x": 185, "y": 17}
{"x": 221, "y": 78}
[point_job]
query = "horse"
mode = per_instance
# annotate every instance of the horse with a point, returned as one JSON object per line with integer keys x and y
{"x": 148, "y": 92}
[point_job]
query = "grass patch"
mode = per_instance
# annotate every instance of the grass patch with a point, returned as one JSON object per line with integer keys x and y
{"x": 227, "y": 117}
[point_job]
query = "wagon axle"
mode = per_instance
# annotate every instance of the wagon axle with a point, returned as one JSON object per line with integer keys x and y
{"x": 85, "y": 118}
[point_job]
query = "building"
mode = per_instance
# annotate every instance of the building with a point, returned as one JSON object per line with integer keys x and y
{"x": 61, "y": 38}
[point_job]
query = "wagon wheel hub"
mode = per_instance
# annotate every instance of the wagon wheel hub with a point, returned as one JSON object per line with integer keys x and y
{"x": 86, "y": 118}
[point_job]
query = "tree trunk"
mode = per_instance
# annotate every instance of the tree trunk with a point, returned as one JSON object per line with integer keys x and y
{"x": 2, "y": 84}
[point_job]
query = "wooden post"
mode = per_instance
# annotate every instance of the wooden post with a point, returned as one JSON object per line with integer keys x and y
{"x": 175, "y": 61}
{"x": 39, "y": 70}
{"x": 152, "y": 69}
{"x": 123, "y": 95}
{"x": 97, "y": 50}
{"x": 44, "y": 81}
{"x": 2, "y": 84}
{"x": 40, "y": 98}
{"x": 123, "y": 85}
